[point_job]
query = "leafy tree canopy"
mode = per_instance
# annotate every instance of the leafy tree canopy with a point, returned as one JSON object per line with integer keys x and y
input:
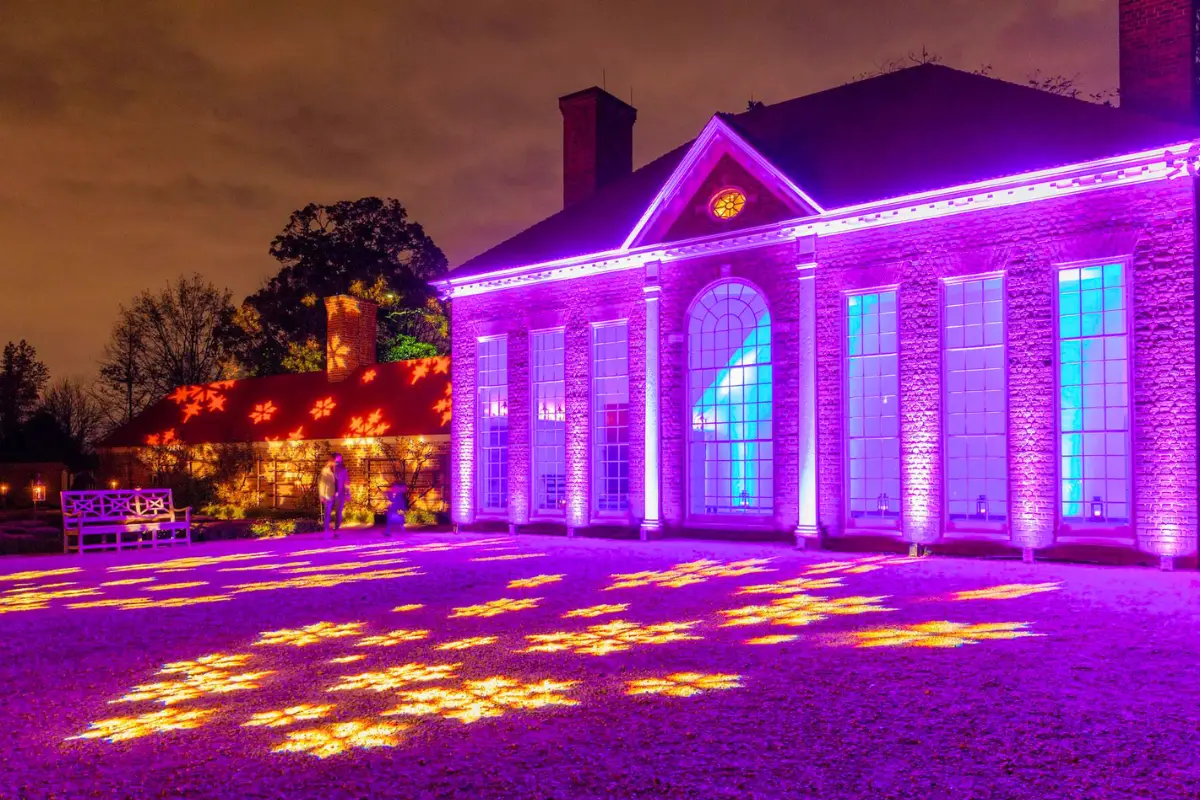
{"x": 22, "y": 378}
{"x": 368, "y": 248}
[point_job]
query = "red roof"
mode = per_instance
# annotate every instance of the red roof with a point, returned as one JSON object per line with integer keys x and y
{"x": 919, "y": 129}
{"x": 402, "y": 398}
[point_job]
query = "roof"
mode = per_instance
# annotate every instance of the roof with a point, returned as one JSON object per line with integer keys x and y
{"x": 919, "y": 129}
{"x": 402, "y": 398}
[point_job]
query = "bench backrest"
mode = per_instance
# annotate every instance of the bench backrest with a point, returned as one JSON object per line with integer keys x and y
{"x": 118, "y": 505}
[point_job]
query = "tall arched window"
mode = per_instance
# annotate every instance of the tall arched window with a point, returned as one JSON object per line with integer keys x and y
{"x": 730, "y": 465}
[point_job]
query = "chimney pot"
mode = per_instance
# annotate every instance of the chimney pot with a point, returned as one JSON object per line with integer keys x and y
{"x": 597, "y": 142}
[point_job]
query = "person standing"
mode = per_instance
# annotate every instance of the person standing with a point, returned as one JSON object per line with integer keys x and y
{"x": 333, "y": 489}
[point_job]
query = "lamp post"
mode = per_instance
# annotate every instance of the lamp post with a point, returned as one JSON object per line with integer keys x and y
{"x": 113, "y": 484}
{"x": 4, "y": 487}
{"x": 981, "y": 506}
{"x": 38, "y": 490}
{"x": 1097, "y": 508}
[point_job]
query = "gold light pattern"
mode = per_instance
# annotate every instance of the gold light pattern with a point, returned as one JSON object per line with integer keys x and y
{"x": 471, "y": 641}
{"x": 392, "y": 638}
{"x": 727, "y": 203}
{"x": 1008, "y": 591}
{"x": 190, "y": 562}
{"x": 128, "y": 582}
{"x": 443, "y": 405}
{"x": 395, "y": 677}
{"x": 941, "y": 633}
{"x": 141, "y": 603}
{"x": 367, "y": 427}
{"x": 794, "y": 586}
{"x": 336, "y": 352}
{"x": 476, "y": 700}
{"x": 34, "y": 575}
{"x": 345, "y": 565}
{"x": 346, "y": 659}
{"x": 689, "y": 573}
{"x": 369, "y": 375}
{"x": 340, "y": 737}
{"x": 598, "y": 611}
{"x": 38, "y": 598}
{"x": 684, "y": 684}
{"x": 858, "y": 566}
{"x": 310, "y": 634}
{"x": 167, "y": 437}
{"x": 195, "y": 399}
{"x": 326, "y": 581}
{"x": 802, "y": 609}
{"x": 773, "y": 639}
{"x": 513, "y": 557}
{"x": 534, "y": 582}
{"x": 494, "y": 607}
{"x": 323, "y": 408}
{"x": 260, "y": 567}
{"x": 206, "y": 675}
{"x": 612, "y": 637}
{"x": 120, "y": 729}
{"x": 164, "y": 587}
{"x": 409, "y": 607}
{"x": 287, "y": 716}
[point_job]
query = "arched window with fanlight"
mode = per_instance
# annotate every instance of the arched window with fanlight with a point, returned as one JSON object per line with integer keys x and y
{"x": 730, "y": 379}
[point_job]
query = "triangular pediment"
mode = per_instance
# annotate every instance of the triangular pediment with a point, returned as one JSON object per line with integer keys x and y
{"x": 720, "y": 164}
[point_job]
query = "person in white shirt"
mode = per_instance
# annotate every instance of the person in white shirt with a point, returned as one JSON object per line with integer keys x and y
{"x": 333, "y": 489}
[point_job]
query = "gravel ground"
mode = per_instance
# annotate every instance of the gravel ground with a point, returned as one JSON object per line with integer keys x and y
{"x": 819, "y": 680}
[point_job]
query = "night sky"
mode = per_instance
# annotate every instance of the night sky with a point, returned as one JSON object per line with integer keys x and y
{"x": 140, "y": 141}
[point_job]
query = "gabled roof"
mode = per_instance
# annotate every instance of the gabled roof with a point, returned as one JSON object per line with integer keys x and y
{"x": 402, "y": 398}
{"x": 920, "y": 129}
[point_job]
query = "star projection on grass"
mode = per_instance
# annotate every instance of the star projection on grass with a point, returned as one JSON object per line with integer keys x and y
{"x": 779, "y": 638}
{"x": 534, "y": 582}
{"x": 34, "y": 575}
{"x": 801, "y": 609}
{"x": 394, "y": 678}
{"x": 120, "y": 729}
{"x": 793, "y": 586}
{"x": 346, "y": 659}
{"x": 1008, "y": 591}
{"x": 261, "y": 567}
{"x": 288, "y": 716}
{"x": 476, "y": 700}
{"x": 310, "y": 634}
{"x": 611, "y": 637}
{"x": 689, "y": 573}
{"x": 941, "y": 633}
{"x": 471, "y": 641}
{"x": 325, "y": 581}
{"x": 597, "y": 611}
{"x": 208, "y": 675}
{"x": 188, "y": 563}
{"x": 129, "y": 581}
{"x": 392, "y": 638}
{"x": 512, "y": 557}
{"x": 858, "y": 566}
{"x": 493, "y": 608}
{"x": 339, "y": 737}
{"x": 344, "y": 566}
{"x": 167, "y": 587}
{"x": 684, "y": 684}
{"x": 143, "y": 603}
{"x": 409, "y": 607}
{"x": 39, "y": 597}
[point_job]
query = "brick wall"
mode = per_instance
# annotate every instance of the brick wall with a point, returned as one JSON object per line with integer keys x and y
{"x": 351, "y": 333}
{"x": 1157, "y": 57}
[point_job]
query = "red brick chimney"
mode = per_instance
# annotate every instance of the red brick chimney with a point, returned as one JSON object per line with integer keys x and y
{"x": 1158, "y": 55}
{"x": 597, "y": 142}
{"x": 349, "y": 335}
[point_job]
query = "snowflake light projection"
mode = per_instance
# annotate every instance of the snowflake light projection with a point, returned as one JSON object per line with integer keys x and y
{"x": 512, "y": 557}
{"x": 287, "y": 716}
{"x": 443, "y": 406}
{"x": 195, "y": 400}
{"x": 689, "y": 573}
{"x": 941, "y": 633}
{"x": 120, "y": 729}
{"x": 1008, "y": 591}
{"x": 470, "y": 641}
{"x": 612, "y": 637}
{"x": 263, "y": 412}
{"x": 793, "y": 586}
{"x": 858, "y": 566}
{"x": 323, "y": 408}
{"x": 367, "y": 427}
{"x": 534, "y": 582}
{"x": 339, "y": 737}
{"x": 476, "y": 700}
{"x": 369, "y": 376}
{"x": 39, "y": 597}
{"x": 801, "y": 609}
{"x": 207, "y": 675}
{"x": 310, "y": 634}
{"x": 684, "y": 684}
{"x": 492, "y": 608}
{"x": 597, "y": 611}
{"x": 336, "y": 352}
{"x": 394, "y": 678}
{"x": 324, "y": 581}
{"x": 392, "y": 638}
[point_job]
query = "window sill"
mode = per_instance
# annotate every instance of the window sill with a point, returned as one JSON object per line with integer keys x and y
{"x": 731, "y": 521}
{"x": 887, "y": 525}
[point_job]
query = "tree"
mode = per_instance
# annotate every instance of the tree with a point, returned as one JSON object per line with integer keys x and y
{"x": 367, "y": 247}
{"x": 173, "y": 338}
{"x": 22, "y": 378}
{"x": 76, "y": 411}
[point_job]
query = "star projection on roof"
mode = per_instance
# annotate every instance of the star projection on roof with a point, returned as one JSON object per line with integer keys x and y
{"x": 367, "y": 427}
{"x": 263, "y": 412}
{"x": 941, "y": 633}
{"x": 684, "y": 684}
{"x": 476, "y": 700}
{"x": 369, "y": 376}
{"x": 195, "y": 400}
{"x": 323, "y": 408}
{"x": 689, "y": 573}
{"x": 493, "y": 608}
{"x": 163, "y": 439}
{"x": 612, "y": 637}
{"x": 339, "y": 737}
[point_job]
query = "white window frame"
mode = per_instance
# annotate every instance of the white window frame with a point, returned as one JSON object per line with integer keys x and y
{"x": 482, "y": 488}
{"x": 594, "y": 455}
{"x": 537, "y": 511}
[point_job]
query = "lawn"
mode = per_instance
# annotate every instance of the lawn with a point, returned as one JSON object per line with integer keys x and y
{"x": 538, "y": 667}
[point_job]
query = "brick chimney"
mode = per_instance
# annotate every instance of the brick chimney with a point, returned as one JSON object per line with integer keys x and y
{"x": 1158, "y": 58}
{"x": 349, "y": 335}
{"x": 597, "y": 142}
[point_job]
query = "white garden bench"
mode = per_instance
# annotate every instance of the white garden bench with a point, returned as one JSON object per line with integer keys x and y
{"x": 120, "y": 518}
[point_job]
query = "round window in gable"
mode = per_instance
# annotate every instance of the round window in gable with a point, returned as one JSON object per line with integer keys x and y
{"x": 727, "y": 203}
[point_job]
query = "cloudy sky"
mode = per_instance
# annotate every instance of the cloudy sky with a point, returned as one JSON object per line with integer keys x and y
{"x": 143, "y": 140}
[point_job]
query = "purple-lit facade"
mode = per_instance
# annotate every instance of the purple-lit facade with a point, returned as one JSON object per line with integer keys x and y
{"x": 756, "y": 349}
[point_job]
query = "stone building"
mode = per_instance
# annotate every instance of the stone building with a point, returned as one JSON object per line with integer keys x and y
{"x": 930, "y": 305}
{"x": 265, "y": 440}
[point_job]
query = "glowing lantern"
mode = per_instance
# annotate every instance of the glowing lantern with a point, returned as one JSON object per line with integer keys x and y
{"x": 113, "y": 484}
{"x": 38, "y": 487}
{"x": 1097, "y": 508}
{"x": 981, "y": 506}
{"x": 882, "y": 503}
{"x": 4, "y": 493}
